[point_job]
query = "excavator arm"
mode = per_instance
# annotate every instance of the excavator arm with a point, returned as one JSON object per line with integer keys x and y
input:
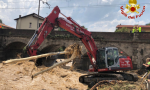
{"x": 66, "y": 23}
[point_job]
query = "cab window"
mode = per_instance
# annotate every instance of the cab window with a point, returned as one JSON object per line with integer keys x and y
{"x": 116, "y": 55}
{"x": 110, "y": 58}
{"x": 101, "y": 59}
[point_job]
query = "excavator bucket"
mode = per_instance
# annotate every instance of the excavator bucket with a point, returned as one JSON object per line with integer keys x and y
{"x": 49, "y": 61}
{"x": 46, "y": 61}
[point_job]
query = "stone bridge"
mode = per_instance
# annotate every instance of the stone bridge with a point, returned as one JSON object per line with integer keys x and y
{"x": 136, "y": 45}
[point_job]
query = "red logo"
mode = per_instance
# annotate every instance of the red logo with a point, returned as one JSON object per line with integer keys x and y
{"x": 132, "y": 7}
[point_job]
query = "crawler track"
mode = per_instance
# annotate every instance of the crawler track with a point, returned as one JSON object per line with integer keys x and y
{"x": 94, "y": 78}
{"x": 129, "y": 76}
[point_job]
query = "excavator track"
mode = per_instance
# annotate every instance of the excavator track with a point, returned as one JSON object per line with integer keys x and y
{"x": 92, "y": 79}
{"x": 129, "y": 76}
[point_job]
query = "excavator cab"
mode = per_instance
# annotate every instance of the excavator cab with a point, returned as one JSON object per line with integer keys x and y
{"x": 107, "y": 57}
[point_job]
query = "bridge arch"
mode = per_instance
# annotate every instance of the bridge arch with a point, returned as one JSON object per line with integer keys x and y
{"x": 16, "y": 39}
{"x": 13, "y": 49}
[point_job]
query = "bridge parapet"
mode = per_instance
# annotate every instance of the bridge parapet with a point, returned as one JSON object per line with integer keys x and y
{"x": 106, "y": 36}
{"x": 144, "y": 36}
{"x": 16, "y": 32}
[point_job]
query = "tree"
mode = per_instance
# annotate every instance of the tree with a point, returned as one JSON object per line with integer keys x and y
{"x": 148, "y": 24}
{"x": 84, "y": 27}
{"x": 61, "y": 29}
{"x": 123, "y": 29}
{"x": 1, "y": 21}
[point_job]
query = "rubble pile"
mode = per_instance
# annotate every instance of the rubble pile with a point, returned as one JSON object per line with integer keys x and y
{"x": 18, "y": 76}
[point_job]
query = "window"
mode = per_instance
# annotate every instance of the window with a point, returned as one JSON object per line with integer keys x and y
{"x": 101, "y": 59}
{"x": 30, "y": 25}
{"x": 116, "y": 55}
{"x": 110, "y": 58}
{"x": 40, "y": 24}
{"x": 102, "y": 55}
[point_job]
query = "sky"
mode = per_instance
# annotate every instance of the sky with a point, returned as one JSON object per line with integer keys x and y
{"x": 95, "y": 15}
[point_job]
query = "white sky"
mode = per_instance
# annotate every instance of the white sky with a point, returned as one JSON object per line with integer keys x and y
{"x": 96, "y": 15}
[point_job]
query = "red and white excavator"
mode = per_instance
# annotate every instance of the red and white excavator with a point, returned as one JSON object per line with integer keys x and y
{"x": 106, "y": 60}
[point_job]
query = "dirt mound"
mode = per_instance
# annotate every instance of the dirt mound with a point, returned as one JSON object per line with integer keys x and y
{"x": 119, "y": 85}
{"x": 18, "y": 77}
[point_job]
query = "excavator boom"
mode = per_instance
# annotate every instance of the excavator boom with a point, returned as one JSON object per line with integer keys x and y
{"x": 68, "y": 24}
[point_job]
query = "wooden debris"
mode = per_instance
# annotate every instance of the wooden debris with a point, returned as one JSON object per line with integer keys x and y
{"x": 34, "y": 57}
{"x": 75, "y": 49}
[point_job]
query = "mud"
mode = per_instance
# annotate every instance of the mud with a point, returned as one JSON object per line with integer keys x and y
{"x": 18, "y": 77}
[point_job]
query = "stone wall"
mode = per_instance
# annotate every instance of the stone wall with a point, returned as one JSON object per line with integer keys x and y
{"x": 136, "y": 45}
{"x": 16, "y": 32}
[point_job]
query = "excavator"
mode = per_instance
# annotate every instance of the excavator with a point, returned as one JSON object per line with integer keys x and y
{"x": 105, "y": 62}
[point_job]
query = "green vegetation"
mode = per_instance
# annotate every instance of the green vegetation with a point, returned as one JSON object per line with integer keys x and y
{"x": 24, "y": 50}
{"x": 123, "y": 29}
{"x": 148, "y": 24}
{"x": 9, "y": 33}
{"x": 84, "y": 27}
{"x": 1, "y": 21}
{"x": 61, "y": 48}
{"x": 61, "y": 29}
{"x": 68, "y": 36}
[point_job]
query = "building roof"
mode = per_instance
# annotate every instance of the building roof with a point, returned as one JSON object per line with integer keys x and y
{"x": 34, "y": 15}
{"x": 1, "y": 24}
{"x": 143, "y": 26}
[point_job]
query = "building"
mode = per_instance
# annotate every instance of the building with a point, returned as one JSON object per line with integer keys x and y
{"x": 144, "y": 28}
{"x": 3, "y": 26}
{"x": 28, "y": 21}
